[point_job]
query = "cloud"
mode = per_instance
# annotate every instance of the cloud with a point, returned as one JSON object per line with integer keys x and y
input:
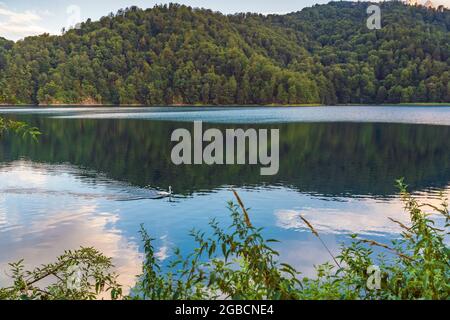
{"x": 17, "y": 25}
{"x": 362, "y": 216}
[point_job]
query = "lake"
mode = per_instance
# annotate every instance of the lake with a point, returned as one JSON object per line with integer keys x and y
{"x": 87, "y": 181}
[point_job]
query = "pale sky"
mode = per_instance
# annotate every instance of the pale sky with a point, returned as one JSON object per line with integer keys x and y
{"x": 21, "y": 18}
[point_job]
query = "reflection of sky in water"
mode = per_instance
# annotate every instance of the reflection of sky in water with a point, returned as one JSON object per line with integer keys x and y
{"x": 379, "y": 114}
{"x": 40, "y": 226}
{"x": 47, "y": 209}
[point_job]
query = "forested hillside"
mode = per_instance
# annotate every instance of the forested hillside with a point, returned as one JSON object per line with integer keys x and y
{"x": 178, "y": 55}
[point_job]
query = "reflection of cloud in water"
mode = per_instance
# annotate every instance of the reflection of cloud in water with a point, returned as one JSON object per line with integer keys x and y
{"x": 2, "y": 212}
{"x": 355, "y": 216}
{"x": 133, "y": 194}
{"x": 305, "y": 254}
{"x": 43, "y": 240}
{"x": 50, "y": 180}
{"x": 21, "y": 175}
{"x": 163, "y": 253}
{"x": 367, "y": 217}
{"x": 39, "y": 230}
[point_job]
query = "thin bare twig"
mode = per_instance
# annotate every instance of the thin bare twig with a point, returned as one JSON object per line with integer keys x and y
{"x": 310, "y": 226}
{"x": 377, "y": 244}
{"x": 241, "y": 204}
{"x": 440, "y": 210}
{"x": 400, "y": 224}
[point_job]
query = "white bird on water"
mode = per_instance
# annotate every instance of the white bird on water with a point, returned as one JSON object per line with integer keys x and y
{"x": 164, "y": 194}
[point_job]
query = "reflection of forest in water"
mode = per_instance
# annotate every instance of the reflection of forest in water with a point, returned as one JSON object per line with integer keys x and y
{"x": 330, "y": 159}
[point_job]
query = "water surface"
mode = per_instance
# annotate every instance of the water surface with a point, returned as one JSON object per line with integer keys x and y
{"x": 91, "y": 179}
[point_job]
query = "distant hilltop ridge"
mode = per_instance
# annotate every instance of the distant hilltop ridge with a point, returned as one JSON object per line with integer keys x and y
{"x": 179, "y": 55}
{"x": 428, "y": 3}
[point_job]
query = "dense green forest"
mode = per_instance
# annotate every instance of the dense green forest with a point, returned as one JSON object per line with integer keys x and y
{"x": 174, "y": 54}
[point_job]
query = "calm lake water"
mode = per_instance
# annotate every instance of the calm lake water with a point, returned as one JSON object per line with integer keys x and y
{"x": 89, "y": 180}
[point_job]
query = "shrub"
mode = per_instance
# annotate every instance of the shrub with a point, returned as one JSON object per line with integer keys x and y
{"x": 239, "y": 263}
{"x": 76, "y": 275}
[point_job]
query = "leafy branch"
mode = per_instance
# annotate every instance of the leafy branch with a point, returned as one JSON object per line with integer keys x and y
{"x": 76, "y": 275}
{"x": 19, "y": 128}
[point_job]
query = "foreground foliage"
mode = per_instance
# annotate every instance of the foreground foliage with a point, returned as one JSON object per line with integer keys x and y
{"x": 76, "y": 275}
{"x": 239, "y": 263}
